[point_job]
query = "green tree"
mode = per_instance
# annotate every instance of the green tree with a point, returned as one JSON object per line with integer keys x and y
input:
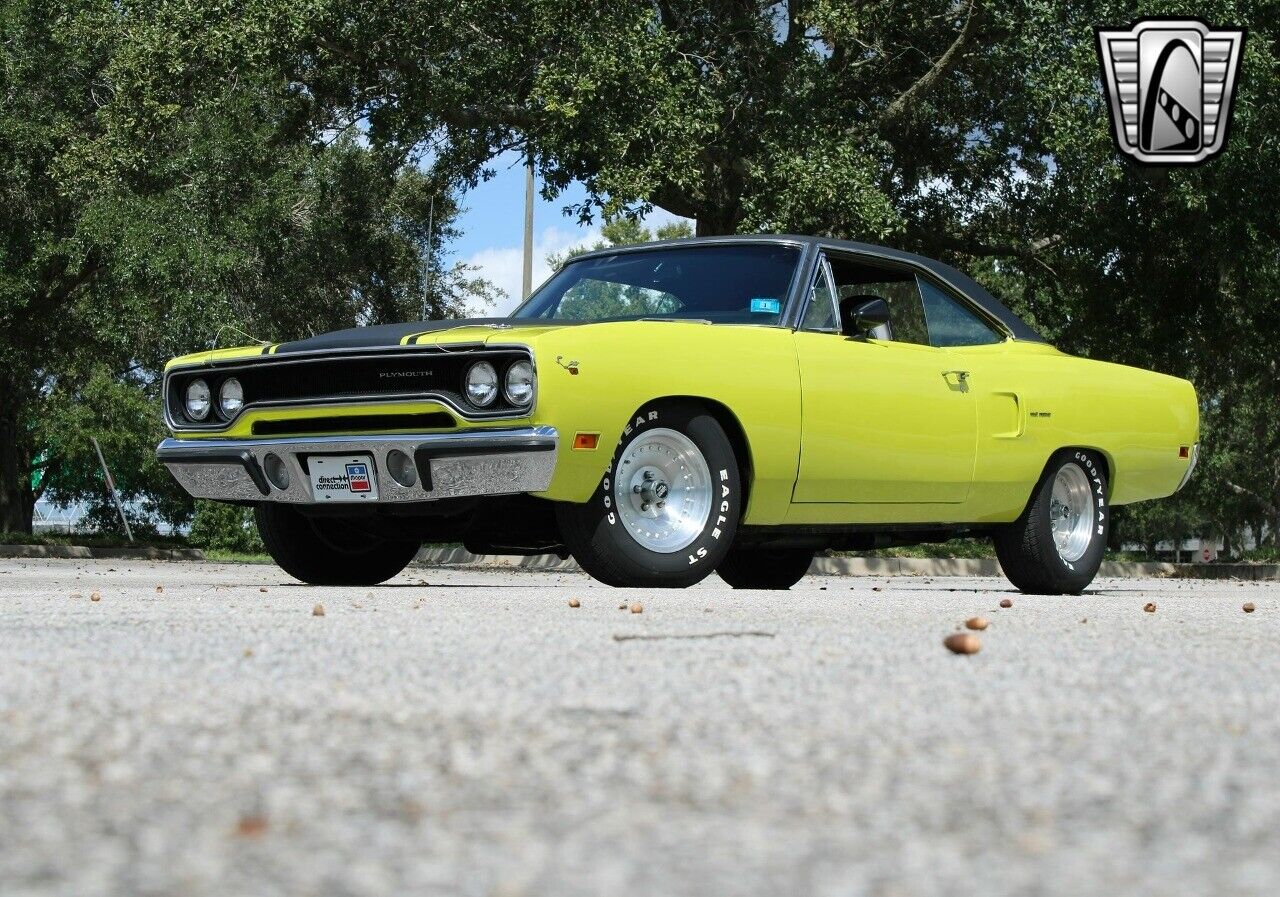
{"x": 165, "y": 186}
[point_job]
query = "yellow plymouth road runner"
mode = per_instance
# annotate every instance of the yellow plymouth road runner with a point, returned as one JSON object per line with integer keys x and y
{"x": 667, "y": 410}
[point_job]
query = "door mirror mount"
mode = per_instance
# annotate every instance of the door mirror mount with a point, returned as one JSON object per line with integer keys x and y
{"x": 860, "y": 315}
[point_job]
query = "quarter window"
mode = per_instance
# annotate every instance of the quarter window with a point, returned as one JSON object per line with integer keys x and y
{"x": 821, "y": 315}
{"x": 952, "y": 324}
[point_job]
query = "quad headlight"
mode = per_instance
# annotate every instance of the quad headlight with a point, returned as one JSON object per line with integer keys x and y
{"x": 198, "y": 400}
{"x": 482, "y": 384}
{"x": 230, "y": 397}
{"x": 518, "y": 387}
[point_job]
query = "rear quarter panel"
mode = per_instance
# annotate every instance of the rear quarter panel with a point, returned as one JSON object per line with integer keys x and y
{"x": 1033, "y": 400}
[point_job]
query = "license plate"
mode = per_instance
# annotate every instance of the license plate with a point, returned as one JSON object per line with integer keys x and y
{"x": 343, "y": 478}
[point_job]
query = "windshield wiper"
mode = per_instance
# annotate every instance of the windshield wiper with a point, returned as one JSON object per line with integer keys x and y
{"x": 678, "y": 320}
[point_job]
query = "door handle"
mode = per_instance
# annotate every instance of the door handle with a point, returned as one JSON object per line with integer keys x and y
{"x": 962, "y": 376}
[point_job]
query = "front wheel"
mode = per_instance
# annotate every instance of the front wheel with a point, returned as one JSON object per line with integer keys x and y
{"x": 666, "y": 510}
{"x": 1056, "y": 546}
{"x": 765, "y": 568}
{"x": 326, "y": 551}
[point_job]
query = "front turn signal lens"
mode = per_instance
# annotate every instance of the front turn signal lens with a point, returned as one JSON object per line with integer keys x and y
{"x": 586, "y": 440}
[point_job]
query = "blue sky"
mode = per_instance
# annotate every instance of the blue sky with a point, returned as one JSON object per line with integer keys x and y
{"x": 493, "y": 228}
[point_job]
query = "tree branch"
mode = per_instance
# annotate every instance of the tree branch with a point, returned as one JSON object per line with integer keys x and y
{"x": 1267, "y": 506}
{"x": 908, "y": 96}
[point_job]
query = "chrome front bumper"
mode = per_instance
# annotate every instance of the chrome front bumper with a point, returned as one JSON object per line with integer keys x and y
{"x": 449, "y": 465}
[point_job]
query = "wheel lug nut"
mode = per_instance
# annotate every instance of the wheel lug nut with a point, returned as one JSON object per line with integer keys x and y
{"x": 648, "y": 474}
{"x": 644, "y": 506}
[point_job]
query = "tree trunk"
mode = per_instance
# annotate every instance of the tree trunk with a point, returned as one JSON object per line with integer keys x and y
{"x": 17, "y": 501}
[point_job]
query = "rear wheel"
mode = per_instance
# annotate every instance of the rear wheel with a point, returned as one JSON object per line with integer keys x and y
{"x": 667, "y": 508}
{"x": 1056, "y": 546}
{"x": 765, "y": 568}
{"x": 327, "y": 551}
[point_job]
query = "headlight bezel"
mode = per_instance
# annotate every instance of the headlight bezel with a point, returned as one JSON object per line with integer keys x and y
{"x": 532, "y": 384}
{"x": 495, "y": 386}
{"x": 192, "y": 415}
{"x": 222, "y": 398}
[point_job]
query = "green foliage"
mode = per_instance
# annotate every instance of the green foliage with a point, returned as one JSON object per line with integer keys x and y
{"x": 167, "y": 168}
{"x": 166, "y": 180}
{"x": 223, "y": 527}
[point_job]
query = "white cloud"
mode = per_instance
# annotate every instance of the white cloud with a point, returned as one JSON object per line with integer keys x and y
{"x": 504, "y": 264}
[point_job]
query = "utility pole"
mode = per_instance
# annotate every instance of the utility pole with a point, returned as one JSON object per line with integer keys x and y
{"x": 527, "y": 282}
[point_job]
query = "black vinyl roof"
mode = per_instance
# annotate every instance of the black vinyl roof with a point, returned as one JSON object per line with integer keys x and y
{"x": 391, "y": 334}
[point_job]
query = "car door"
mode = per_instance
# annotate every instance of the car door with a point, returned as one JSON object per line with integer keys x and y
{"x": 884, "y": 419}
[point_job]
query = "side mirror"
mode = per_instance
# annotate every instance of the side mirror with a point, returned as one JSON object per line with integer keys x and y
{"x": 859, "y": 315}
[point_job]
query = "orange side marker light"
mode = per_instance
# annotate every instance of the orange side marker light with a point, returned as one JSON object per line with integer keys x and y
{"x": 586, "y": 441}
{"x": 1184, "y": 451}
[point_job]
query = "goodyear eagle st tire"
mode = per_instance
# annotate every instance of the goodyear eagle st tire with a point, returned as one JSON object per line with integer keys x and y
{"x": 667, "y": 508}
{"x": 765, "y": 568}
{"x": 324, "y": 551}
{"x": 1056, "y": 546}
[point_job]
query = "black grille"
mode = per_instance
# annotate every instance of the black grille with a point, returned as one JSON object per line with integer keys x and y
{"x": 356, "y": 423}
{"x": 409, "y": 375}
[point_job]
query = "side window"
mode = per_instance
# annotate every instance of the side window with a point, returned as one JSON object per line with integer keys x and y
{"x": 858, "y": 281}
{"x": 821, "y": 314}
{"x": 950, "y": 323}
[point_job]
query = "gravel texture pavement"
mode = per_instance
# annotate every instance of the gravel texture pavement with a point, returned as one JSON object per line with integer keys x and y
{"x": 471, "y": 733}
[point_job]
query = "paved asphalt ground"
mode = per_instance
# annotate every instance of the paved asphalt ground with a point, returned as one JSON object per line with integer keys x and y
{"x": 467, "y": 732}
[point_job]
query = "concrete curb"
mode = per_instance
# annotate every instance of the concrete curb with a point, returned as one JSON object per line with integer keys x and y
{"x": 838, "y": 566}
{"x": 86, "y": 552}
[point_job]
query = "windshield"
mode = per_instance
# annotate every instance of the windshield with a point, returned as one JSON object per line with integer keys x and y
{"x": 726, "y": 284}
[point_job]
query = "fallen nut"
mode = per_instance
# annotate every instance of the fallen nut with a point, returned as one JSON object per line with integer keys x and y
{"x": 96, "y": 596}
{"x": 1248, "y": 607}
{"x": 1006, "y": 602}
{"x": 317, "y": 611}
{"x": 251, "y": 826}
{"x": 1084, "y": 619}
{"x": 622, "y": 606}
{"x": 574, "y": 602}
{"x": 637, "y": 608}
{"x": 263, "y": 589}
{"x": 963, "y": 643}
{"x": 978, "y": 623}
{"x": 1149, "y": 607}
{"x": 159, "y": 589}
{"x": 248, "y": 652}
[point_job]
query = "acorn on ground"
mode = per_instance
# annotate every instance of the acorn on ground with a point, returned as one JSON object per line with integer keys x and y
{"x": 317, "y": 611}
{"x": 978, "y": 623}
{"x": 96, "y": 596}
{"x": 963, "y": 643}
{"x": 1248, "y": 607}
{"x": 1006, "y": 602}
{"x": 637, "y": 608}
{"x": 574, "y": 602}
{"x": 1149, "y": 607}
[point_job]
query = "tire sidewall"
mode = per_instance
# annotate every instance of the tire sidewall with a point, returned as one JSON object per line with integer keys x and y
{"x": 703, "y": 555}
{"x": 1077, "y": 574}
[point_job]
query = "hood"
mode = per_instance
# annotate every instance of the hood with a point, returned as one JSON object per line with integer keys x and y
{"x": 462, "y": 330}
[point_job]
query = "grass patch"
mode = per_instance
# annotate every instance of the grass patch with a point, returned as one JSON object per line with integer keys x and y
{"x": 236, "y": 557}
{"x": 93, "y": 540}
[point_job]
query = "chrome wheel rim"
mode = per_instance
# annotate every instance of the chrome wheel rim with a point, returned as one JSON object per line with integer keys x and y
{"x": 662, "y": 490}
{"x": 1071, "y": 513}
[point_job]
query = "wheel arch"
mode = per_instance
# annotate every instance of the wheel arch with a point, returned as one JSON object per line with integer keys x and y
{"x": 1108, "y": 467}
{"x": 733, "y": 429}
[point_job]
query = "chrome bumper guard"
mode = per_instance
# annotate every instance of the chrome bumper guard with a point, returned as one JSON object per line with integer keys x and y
{"x": 449, "y": 465}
